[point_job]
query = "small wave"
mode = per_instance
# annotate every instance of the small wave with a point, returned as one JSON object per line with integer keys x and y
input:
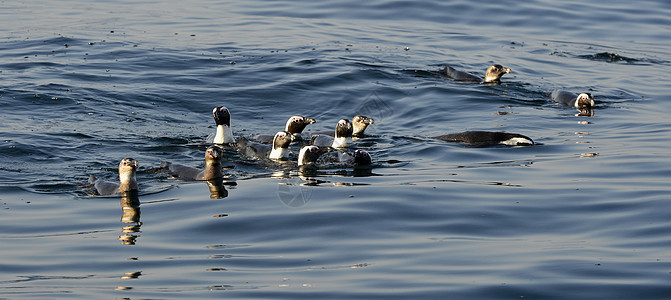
{"x": 614, "y": 58}
{"x": 609, "y": 57}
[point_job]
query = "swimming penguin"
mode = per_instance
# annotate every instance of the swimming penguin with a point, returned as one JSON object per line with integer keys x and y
{"x": 295, "y": 125}
{"x": 278, "y": 150}
{"x": 492, "y": 75}
{"x": 359, "y": 125}
{"x": 342, "y": 137}
{"x": 213, "y": 167}
{"x": 582, "y": 100}
{"x": 487, "y": 138}
{"x": 224, "y": 134}
{"x": 308, "y": 155}
{"x": 127, "y": 181}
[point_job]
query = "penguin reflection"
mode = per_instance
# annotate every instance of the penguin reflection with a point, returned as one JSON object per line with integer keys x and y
{"x": 217, "y": 189}
{"x": 130, "y": 205}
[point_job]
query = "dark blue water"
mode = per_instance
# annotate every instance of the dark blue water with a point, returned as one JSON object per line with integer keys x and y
{"x": 584, "y": 214}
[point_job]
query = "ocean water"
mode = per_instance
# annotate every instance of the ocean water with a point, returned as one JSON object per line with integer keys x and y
{"x": 582, "y": 214}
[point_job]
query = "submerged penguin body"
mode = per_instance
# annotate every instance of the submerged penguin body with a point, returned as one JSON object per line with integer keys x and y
{"x": 212, "y": 170}
{"x": 493, "y": 74}
{"x": 127, "y": 179}
{"x": 582, "y": 100}
{"x": 487, "y": 138}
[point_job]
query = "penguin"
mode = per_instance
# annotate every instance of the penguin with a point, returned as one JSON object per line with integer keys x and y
{"x": 308, "y": 155}
{"x": 296, "y": 124}
{"x": 359, "y": 125}
{"x": 224, "y": 133}
{"x": 342, "y": 137}
{"x": 582, "y": 100}
{"x": 279, "y": 150}
{"x": 487, "y": 138}
{"x": 492, "y": 74}
{"x": 213, "y": 167}
{"x": 127, "y": 180}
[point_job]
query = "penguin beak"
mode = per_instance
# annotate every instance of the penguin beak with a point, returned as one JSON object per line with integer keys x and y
{"x": 507, "y": 70}
{"x": 309, "y": 120}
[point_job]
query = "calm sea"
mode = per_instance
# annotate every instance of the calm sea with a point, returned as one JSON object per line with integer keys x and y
{"x": 583, "y": 214}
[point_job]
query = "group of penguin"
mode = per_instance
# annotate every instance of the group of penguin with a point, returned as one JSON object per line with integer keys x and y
{"x": 336, "y": 147}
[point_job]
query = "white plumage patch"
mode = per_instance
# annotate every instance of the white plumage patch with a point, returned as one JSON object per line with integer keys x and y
{"x": 279, "y": 153}
{"x": 517, "y": 141}
{"x": 224, "y": 135}
{"x": 341, "y": 142}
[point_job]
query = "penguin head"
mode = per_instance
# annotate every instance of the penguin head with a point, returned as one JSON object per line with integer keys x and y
{"x": 222, "y": 116}
{"x": 296, "y": 124}
{"x": 494, "y": 73}
{"x": 360, "y": 123}
{"x": 584, "y": 100}
{"x": 213, "y": 153}
{"x": 282, "y": 139}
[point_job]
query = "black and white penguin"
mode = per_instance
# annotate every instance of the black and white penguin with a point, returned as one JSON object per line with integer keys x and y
{"x": 492, "y": 75}
{"x": 224, "y": 133}
{"x": 487, "y": 138}
{"x": 281, "y": 143}
{"x": 582, "y": 100}
{"x": 213, "y": 167}
{"x": 127, "y": 180}
{"x": 279, "y": 150}
{"x": 309, "y": 155}
{"x": 342, "y": 137}
{"x": 296, "y": 124}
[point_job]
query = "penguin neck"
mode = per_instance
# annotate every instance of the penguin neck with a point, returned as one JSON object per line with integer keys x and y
{"x": 340, "y": 142}
{"x": 224, "y": 135}
{"x": 279, "y": 153}
{"x": 576, "y": 103}
{"x": 127, "y": 182}
{"x": 301, "y": 158}
{"x": 212, "y": 170}
{"x": 358, "y": 129}
{"x": 302, "y": 161}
